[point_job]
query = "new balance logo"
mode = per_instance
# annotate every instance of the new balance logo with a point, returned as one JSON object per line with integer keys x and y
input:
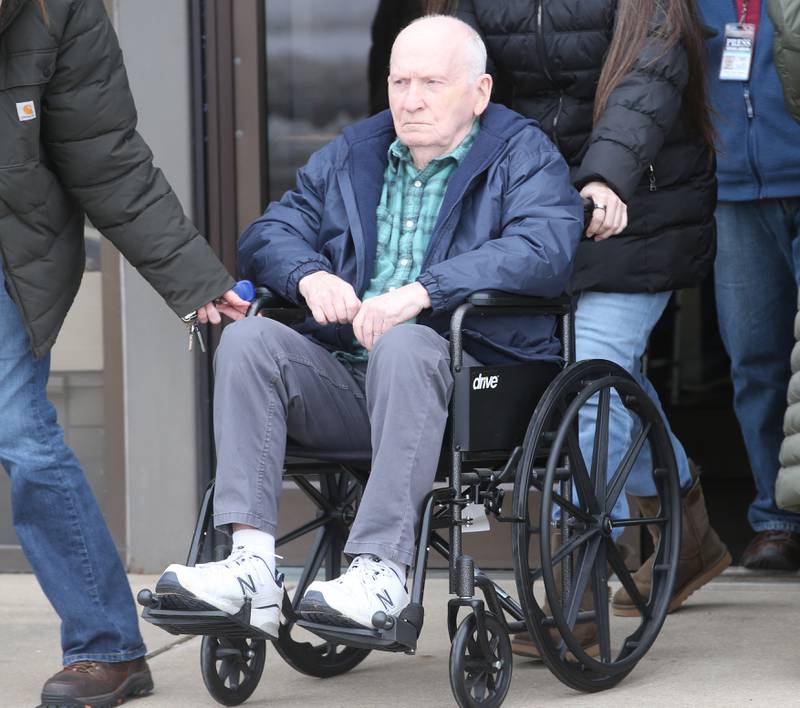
{"x": 481, "y": 382}
{"x": 385, "y": 599}
{"x": 251, "y": 586}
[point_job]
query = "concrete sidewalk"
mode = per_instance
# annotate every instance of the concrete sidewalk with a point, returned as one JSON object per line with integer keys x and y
{"x": 735, "y": 643}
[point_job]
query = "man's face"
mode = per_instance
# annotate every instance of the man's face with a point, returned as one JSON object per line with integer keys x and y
{"x": 432, "y": 97}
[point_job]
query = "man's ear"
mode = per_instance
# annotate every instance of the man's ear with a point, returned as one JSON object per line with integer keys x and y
{"x": 484, "y": 93}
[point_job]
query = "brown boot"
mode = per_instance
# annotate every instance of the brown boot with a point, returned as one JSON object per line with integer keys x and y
{"x": 703, "y": 556}
{"x": 97, "y": 684}
{"x": 522, "y": 644}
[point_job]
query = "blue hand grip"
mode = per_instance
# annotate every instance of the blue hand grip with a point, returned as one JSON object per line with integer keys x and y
{"x": 245, "y": 290}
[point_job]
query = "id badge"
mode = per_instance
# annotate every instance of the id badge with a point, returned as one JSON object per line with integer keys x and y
{"x": 738, "y": 53}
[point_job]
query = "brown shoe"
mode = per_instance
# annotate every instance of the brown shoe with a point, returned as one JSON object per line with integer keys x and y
{"x": 773, "y": 550}
{"x": 97, "y": 684}
{"x": 522, "y": 644}
{"x": 703, "y": 556}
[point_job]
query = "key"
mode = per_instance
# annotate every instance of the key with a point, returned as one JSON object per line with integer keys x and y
{"x": 190, "y": 321}
{"x": 195, "y": 330}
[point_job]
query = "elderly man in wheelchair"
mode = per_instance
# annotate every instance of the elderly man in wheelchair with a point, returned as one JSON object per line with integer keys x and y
{"x": 444, "y": 204}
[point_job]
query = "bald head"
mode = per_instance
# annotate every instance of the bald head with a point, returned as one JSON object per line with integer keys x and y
{"x": 443, "y": 32}
{"x": 438, "y": 85}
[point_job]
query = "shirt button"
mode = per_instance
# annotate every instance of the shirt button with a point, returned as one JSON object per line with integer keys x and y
{"x": 417, "y": 184}
{"x": 410, "y": 224}
{"x": 404, "y": 261}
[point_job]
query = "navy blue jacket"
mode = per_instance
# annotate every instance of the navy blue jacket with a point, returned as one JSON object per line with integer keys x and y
{"x": 758, "y": 143}
{"x": 510, "y": 220}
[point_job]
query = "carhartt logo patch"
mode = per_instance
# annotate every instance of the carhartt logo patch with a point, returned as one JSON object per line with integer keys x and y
{"x": 26, "y": 110}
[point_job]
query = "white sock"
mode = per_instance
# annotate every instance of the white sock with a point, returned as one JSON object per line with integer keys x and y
{"x": 399, "y": 568}
{"x": 259, "y": 542}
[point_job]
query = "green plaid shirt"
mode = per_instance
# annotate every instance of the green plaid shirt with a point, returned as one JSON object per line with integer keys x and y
{"x": 407, "y": 212}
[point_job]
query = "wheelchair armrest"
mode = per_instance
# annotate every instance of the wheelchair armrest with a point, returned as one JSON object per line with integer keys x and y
{"x": 275, "y": 307}
{"x": 561, "y": 305}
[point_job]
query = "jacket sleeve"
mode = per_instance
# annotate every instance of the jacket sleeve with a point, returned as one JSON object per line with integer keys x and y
{"x": 541, "y": 225}
{"x": 785, "y": 15}
{"x": 89, "y": 134}
{"x": 284, "y": 245}
{"x": 639, "y": 114}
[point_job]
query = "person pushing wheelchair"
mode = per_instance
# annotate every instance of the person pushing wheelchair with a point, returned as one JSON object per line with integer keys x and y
{"x": 391, "y": 226}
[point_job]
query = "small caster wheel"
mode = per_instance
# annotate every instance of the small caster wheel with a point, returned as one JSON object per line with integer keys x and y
{"x": 232, "y": 668}
{"x": 478, "y": 680}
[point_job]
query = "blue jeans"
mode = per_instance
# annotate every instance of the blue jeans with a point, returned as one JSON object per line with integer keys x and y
{"x": 616, "y": 327}
{"x": 756, "y": 277}
{"x": 56, "y": 517}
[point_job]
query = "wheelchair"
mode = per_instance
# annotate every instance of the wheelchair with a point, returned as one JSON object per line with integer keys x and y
{"x": 512, "y": 428}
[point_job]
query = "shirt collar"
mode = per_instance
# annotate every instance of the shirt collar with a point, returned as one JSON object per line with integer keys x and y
{"x": 400, "y": 153}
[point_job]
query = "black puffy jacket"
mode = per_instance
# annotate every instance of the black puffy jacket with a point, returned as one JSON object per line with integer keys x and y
{"x": 546, "y": 56}
{"x": 69, "y": 146}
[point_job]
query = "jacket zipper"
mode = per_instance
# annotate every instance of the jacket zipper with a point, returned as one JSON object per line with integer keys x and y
{"x": 546, "y": 69}
{"x": 750, "y": 113}
{"x": 653, "y": 186}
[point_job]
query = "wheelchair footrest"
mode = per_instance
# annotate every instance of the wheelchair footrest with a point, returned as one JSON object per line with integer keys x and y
{"x": 197, "y": 621}
{"x": 401, "y": 636}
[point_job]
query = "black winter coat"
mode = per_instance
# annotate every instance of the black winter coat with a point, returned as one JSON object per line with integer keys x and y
{"x": 546, "y": 57}
{"x": 69, "y": 147}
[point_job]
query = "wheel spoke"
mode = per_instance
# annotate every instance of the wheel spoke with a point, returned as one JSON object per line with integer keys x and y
{"x": 620, "y": 477}
{"x": 234, "y": 678}
{"x": 600, "y": 594}
{"x": 571, "y": 508}
{"x": 640, "y": 521}
{"x": 225, "y": 669}
{"x": 600, "y": 448}
{"x": 579, "y": 472}
{"x": 571, "y": 545}
{"x": 582, "y": 579}
{"x": 624, "y": 575}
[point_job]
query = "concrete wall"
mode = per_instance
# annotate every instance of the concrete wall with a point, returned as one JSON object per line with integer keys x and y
{"x": 158, "y": 371}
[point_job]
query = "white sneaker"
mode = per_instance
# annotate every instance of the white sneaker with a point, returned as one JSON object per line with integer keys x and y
{"x": 224, "y": 586}
{"x": 352, "y": 599}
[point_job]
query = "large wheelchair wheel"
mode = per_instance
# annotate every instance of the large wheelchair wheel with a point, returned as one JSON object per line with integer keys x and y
{"x": 337, "y": 501}
{"x": 554, "y": 588}
{"x": 232, "y": 668}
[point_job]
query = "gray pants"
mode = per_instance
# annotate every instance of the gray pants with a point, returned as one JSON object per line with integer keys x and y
{"x": 272, "y": 382}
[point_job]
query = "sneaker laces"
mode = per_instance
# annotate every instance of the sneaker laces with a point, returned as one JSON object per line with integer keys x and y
{"x": 238, "y": 554}
{"x": 369, "y": 571}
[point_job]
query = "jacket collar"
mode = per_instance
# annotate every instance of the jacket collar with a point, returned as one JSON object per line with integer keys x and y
{"x": 8, "y": 11}
{"x": 369, "y": 142}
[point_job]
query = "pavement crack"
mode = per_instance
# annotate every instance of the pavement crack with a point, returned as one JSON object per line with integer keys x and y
{"x": 171, "y": 645}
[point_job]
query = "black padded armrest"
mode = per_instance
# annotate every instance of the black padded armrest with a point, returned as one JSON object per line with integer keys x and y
{"x": 539, "y": 305}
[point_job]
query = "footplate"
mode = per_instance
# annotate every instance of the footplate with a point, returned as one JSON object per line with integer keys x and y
{"x": 195, "y": 617}
{"x": 389, "y": 634}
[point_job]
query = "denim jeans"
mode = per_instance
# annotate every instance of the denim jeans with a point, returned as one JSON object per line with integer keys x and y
{"x": 756, "y": 277}
{"x": 616, "y": 327}
{"x": 57, "y": 520}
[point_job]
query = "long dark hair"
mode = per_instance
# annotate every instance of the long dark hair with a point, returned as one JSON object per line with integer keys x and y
{"x": 680, "y": 24}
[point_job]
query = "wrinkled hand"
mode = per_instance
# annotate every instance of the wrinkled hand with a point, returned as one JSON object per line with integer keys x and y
{"x": 329, "y": 298}
{"x": 230, "y": 305}
{"x": 379, "y": 314}
{"x": 609, "y": 222}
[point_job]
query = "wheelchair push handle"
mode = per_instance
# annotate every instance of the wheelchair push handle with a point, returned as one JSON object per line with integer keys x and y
{"x": 588, "y": 208}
